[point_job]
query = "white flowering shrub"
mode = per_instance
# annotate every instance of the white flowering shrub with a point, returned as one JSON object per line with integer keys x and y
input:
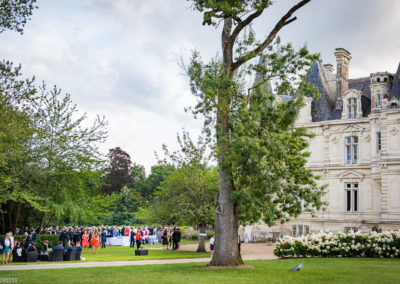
{"x": 349, "y": 244}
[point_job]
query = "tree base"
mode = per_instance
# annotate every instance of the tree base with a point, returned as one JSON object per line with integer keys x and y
{"x": 230, "y": 263}
{"x": 201, "y": 250}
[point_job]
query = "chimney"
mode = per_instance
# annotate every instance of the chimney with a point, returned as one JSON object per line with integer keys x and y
{"x": 343, "y": 58}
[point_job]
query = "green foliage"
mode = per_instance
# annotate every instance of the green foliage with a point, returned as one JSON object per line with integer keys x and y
{"x": 186, "y": 196}
{"x": 259, "y": 149}
{"x": 15, "y": 13}
{"x": 50, "y": 163}
{"x": 146, "y": 186}
{"x": 123, "y": 208}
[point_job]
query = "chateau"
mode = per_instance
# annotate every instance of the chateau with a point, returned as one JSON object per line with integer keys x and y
{"x": 355, "y": 151}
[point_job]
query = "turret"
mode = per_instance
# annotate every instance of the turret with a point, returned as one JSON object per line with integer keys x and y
{"x": 380, "y": 84}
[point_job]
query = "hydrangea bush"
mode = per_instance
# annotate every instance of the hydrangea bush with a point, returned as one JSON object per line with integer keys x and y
{"x": 349, "y": 244}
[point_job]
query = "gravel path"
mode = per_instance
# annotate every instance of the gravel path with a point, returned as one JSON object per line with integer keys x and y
{"x": 249, "y": 252}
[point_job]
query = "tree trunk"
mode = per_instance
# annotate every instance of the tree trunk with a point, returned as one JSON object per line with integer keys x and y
{"x": 202, "y": 238}
{"x": 16, "y": 218}
{"x": 42, "y": 222}
{"x": 226, "y": 251}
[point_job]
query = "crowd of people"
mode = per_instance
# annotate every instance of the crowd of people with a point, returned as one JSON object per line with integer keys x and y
{"x": 91, "y": 238}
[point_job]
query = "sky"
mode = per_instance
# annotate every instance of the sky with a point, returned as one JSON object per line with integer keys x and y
{"x": 119, "y": 58}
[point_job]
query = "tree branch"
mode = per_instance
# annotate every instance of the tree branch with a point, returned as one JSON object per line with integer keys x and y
{"x": 285, "y": 20}
{"x": 243, "y": 24}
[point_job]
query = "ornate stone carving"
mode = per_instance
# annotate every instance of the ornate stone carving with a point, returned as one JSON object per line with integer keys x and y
{"x": 394, "y": 131}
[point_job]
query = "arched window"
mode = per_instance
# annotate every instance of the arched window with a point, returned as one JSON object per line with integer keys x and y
{"x": 385, "y": 79}
{"x": 378, "y": 80}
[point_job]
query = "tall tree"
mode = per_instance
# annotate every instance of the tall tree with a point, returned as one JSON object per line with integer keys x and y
{"x": 118, "y": 171}
{"x": 261, "y": 156}
{"x": 146, "y": 186}
{"x": 15, "y": 13}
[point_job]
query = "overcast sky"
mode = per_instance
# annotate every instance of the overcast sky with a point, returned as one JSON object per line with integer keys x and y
{"x": 118, "y": 58}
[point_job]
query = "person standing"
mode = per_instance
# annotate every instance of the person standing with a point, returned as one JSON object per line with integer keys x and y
{"x": 174, "y": 239}
{"x": 85, "y": 241}
{"x": 63, "y": 237}
{"x": 212, "y": 242}
{"x": 103, "y": 238}
{"x": 138, "y": 239}
{"x": 34, "y": 235}
{"x": 178, "y": 239}
{"x": 6, "y": 251}
{"x": 27, "y": 240}
{"x": 132, "y": 238}
{"x": 95, "y": 242}
{"x": 165, "y": 239}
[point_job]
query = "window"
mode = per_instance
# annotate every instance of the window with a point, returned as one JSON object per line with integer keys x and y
{"x": 352, "y": 108}
{"x": 294, "y": 230}
{"x": 307, "y": 229}
{"x": 351, "y": 197}
{"x": 300, "y": 230}
{"x": 378, "y": 100}
{"x": 354, "y": 229}
{"x": 352, "y": 150}
{"x": 378, "y": 141}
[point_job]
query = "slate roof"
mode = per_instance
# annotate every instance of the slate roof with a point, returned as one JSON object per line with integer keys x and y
{"x": 395, "y": 91}
{"x": 319, "y": 108}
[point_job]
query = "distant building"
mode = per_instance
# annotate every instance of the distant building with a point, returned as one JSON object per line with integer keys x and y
{"x": 355, "y": 151}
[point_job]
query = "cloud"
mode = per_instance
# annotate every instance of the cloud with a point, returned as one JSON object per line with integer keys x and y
{"x": 118, "y": 58}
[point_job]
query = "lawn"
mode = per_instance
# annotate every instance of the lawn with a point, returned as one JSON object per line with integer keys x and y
{"x": 317, "y": 270}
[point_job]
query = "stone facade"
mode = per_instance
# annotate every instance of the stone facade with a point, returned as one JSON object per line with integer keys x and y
{"x": 355, "y": 151}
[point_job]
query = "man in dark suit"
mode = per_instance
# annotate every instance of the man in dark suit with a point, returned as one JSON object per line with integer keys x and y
{"x": 27, "y": 240}
{"x": 174, "y": 239}
{"x": 122, "y": 231}
{"x": 103, "y": 238}
{"x": 133, "y": 235}
{"x": 34, "y": 236}
{"x": 63, "y": 237}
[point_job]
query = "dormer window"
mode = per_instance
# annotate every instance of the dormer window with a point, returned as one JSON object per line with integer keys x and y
{"x": 352, "y": 108}
{"x": 352, "y": 104}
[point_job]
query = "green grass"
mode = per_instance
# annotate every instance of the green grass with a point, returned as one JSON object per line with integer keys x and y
{"x": 114, "y": 253}
{"x": 315, "y": 270}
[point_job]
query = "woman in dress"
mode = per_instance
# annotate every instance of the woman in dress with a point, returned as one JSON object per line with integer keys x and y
{"x": 95, "y": 242}
{"x": 85, "y": 241}
{"x": 165, "y": 239}
{"x": 6, "y": 243}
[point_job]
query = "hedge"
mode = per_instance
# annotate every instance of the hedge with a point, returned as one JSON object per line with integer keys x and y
{"x": 195, "y": 235}
{"x": 53, "y": 239}
{"x": 350, "y": 244}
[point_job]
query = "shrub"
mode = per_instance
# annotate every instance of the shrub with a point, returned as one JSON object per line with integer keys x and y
{"x": 350, "y": 244}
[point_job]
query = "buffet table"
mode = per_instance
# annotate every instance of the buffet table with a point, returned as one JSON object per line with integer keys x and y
{"x": 118, "y": 241}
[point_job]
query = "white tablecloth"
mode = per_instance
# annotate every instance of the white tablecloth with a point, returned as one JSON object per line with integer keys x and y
{"x": 118, "y": 241}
